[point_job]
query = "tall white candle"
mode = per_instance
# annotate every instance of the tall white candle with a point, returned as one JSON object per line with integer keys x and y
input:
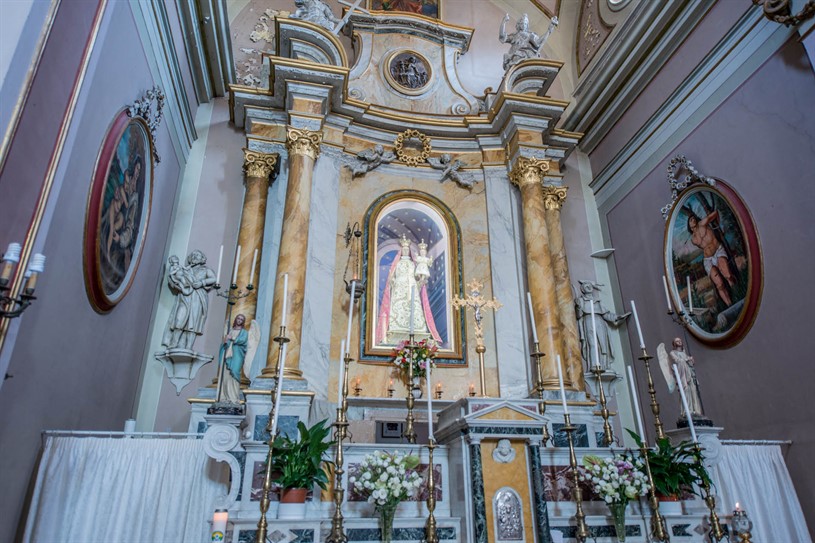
{"x": 532, "y": 317}
{"x": 341, "y": 376}
{"x": 279, "y": 389}
{"x": 595, "y": 338}
{"x": 637, "y": 322}
{"x": 636, "y": 397}
{"x": 254, "y": 263}
{"x": 412, "y": 303}
{"x": 685, "y": 403}
{"x": 219, "y": 520}
{"x": 285, "y": 298}
{"x": 220, "y": 263}
{"x": 690, "y": 296}
{"x": 429, "y": 405}
{"x": 667, "y": 293}
{"x": 562, "y": 390}
{"x": 350, "y": 315}
{"x": 235, "y": 270}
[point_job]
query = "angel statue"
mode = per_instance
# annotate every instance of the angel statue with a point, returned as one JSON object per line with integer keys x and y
{"x": 451, "y": 170}
{"x": 596, "y": 330}
{"x": 315, "y": 11}
{"x": 524, "y": 44}
{"x": 687, "y": 375}
{"x": 238, "y": 347}
{"x": 370, "y": 159}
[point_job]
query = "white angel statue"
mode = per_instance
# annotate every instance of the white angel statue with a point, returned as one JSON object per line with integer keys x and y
{"x": 370, "y": 159}
{"x": 451, "y": 170}
{"x": 237, "y": 349}
{"x": 687, "y": 374}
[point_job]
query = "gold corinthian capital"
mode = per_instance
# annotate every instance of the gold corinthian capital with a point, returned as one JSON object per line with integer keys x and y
{"x": 303, "y": 142}
{"x": 258, "y": 164}
{"x": 553, "y": 197}
{"x": 528, "y": 170}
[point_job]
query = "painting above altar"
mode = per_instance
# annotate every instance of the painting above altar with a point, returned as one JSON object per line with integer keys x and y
{"x": 412, "y": 274}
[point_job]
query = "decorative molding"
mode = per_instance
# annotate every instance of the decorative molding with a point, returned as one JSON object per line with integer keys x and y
{"x": 780, "y": 11}
{"x": 528, "y": 170}
{"x": 679, "y": 163}
{"x": 258, "y": 164}
{"x": 553, "y": 197}
{"x": 303, "y": 142}
{"x": 748, "y": 44}
{"x": 142, "y": 108}
{"x": 592, "y": 33}
{"x": 412, "y": 159}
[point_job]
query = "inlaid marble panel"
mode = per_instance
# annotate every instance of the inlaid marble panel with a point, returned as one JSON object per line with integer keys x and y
{"x": 580, "y": 435}
{"x": 286, "y": 425}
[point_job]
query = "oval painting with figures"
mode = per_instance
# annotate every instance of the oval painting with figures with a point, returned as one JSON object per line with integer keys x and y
{"x": 118, "y": 211}
{"x": 713, "y": 263}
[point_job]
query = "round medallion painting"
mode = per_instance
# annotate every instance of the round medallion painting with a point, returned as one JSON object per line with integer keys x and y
{"x": 713, "y": 263}
{"x": 408, "y": 72}
{"x": 118, "y": 211}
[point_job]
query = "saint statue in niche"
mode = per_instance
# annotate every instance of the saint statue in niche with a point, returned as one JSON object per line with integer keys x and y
{"x": 411, "y": 253}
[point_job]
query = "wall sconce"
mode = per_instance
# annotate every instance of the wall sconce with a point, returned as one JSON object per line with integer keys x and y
{"x": 353, "y": 268}
{"x": 11, "y": 307}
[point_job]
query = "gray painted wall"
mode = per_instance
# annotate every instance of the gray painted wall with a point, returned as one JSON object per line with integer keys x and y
{"x": 761, "y": 141}
{"x": 74, "y": 368}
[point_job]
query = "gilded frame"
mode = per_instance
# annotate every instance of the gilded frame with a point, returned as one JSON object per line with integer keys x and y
{"x": 103, "y": 300}
{"x": 370, "y": 354}
{"x": 398, "y": 87}
{"x": 379, "y": 5}
{"x": 714, "y": 322}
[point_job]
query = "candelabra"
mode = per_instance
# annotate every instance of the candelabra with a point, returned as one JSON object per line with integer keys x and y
{"x": 608, "y": 435}
{"x": 13, "y": 306}
{"x": 716, "y": 532}
{"x": 538, "y": 355}
{"x": 580, "y": 518}
{"x": 271, "y": 428}
{"x": 337, "y": 534}
{"x": 410, "y": 433}
{"x": 659, "y": 530}
{"x": 430, "y": 526}
{"x": 231, "y": 296}
{"x": 653, "y": 394}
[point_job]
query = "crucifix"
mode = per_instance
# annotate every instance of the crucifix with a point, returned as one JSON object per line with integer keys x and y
{"x": 351, "y": 9}
{"x": 476, "y": 302}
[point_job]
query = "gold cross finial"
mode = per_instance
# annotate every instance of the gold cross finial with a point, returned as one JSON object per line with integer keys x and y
{"x": 476, "y": 302}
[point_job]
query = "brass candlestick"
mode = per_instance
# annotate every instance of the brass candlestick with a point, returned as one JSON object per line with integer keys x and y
{"x": 480, "y": 349}
{"x": 265, "y": 500}
{"x": 337, "y": 534}
{"x": 653, "y": 394}
{"x": 430, "y": 526}
{"x": 716, "y": 532}
{"x": 608, "y": 435}
{"x": 580, "y": 518}
{"x": 659, "y": 530}
{"x": 410, "y": 433}
{"x": 536, "y": 352}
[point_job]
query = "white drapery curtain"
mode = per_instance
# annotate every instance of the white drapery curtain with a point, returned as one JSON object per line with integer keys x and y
{"x": 756, "y": 476}
{"x": 106, "y": 490}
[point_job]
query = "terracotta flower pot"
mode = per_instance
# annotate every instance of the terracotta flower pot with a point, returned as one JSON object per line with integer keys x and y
{"x": 293, "y": 495}
{"x": 292, "y": 503}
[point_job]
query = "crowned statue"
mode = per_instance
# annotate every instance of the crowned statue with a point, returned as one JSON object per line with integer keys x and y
{"x": 405, "y": 296}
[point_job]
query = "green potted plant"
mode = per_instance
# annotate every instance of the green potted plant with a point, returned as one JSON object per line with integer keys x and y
{"x": 677, "y": 470}
{"x": 300, "y": 464}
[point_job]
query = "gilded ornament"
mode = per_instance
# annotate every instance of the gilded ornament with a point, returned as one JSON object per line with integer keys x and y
{"x": 408, "y": 138}
{"x": 303, "y": 142}
{"x": 553, "y": 197}
{"x": 528, "y": 170}
{"x": 258, "y": 164}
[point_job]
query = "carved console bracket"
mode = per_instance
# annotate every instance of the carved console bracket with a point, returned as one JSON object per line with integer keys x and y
{"x": 182, "y": 365}
{"x": 221, "y": 437}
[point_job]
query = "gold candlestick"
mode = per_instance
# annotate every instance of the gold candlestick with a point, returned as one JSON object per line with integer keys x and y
{"x": 430, "y": 526}
{"x": 659, "y": 530}
{"x": 265, "y": 500}
{"x": 410, "y": 433}
{"x": 580, "y": 518}
{"x": 337, "y": 534}
{"x": 536, "y": 352}
{"x": 608, "y": 435}
{"x": 652, "y": 393}
{"x": 716, "y": 532}
{"x": 480, "y": 349}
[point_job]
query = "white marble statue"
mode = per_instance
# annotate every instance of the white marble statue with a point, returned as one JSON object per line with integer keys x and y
{"x": 687, "y": 375}
{"x": 451, "y": 169}
{"x": 599, "y": 331}
{"x": 524, "y": 44}
{"x": 315, "y": 11}
{"x": 370, "y": 159}
{"x": 190, "y": 283}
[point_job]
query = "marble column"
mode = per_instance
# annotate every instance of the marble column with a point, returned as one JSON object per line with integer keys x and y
{"x": 303, "y": 147}
{"x": 553, "y": 198}
{"x": 479, "y": 501}
{"x": 527, "y": 175}
{"x": 258, "y": 168}
{"x": 540, "y": 509}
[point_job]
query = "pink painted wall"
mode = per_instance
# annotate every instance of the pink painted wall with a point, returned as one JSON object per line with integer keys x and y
{"x": 74, "y": 368}
{"x": 761, "y": 141}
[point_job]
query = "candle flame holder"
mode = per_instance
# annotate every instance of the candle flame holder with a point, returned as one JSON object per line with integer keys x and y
{"x": 646, "y": 358}
{"x": 716, "y": 532}
{"x": 582, "y": 532}
{"x": 608, "y": 435}
{"x": 265, "y": 500}
{"x": 538, "y": 355}
{"x": 337, "y": 534}
{"x": 431, "y": 535}
{"x": 659, "y": 529}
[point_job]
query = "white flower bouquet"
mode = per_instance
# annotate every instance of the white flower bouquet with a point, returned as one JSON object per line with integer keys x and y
{"x": 617, "y": 479}
{"x": 387, "y": 478}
